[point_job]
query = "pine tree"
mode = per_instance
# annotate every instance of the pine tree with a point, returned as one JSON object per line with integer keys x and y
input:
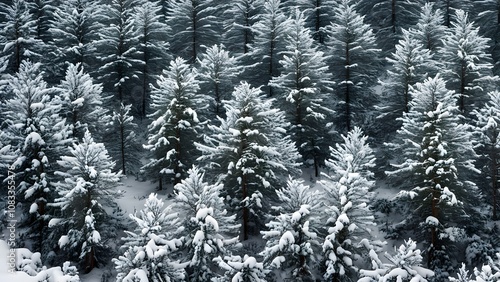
{"x": 449, "y": 7}
{"x": 43, "y": 12}
{"x": 194, "y": 24}
{"x": 249, "y": 152}
{"x": 218, "y": 72}
{"x": 18, "y": 30}
{"x": 81, "y": 102}
{"x": 148, "y": 249}
{"x": 354, "y": 61}
{"x": 405, "y": 265}
{"x": 126, "y": 151}
{"x": 429, "y": 28}
{"x": 347, "y": 195}
{"x": 87, "y": 191}
{"x": 317, "y": 13}
{"x": 487, "y": 16}
{"x": 240, "y": 16}
{"x": 153, "y": 49}
{"x": 303, "y": 88}
{"x": 437, "y": 161}
{"x": 73, "y": 32}
{"x": 207, "y": 225}
{"x": 117, "y": 50}
{"x": 488, "y": 125}
{"x": 292, "y": 241}
{"x": 269, "y": 31}
{"x": 175, "y": 124}
{"x": 37, "y": 136}
{"x": 468, "y": 65}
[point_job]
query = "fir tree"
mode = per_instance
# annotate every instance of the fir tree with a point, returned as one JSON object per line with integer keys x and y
{"x": 118, "y": 54}
{"x": 303, "y": 88}
{"x": 218, "y": 72}
{"x": 347, "y": 195}
{"x": 467, "y": 63}
{"x": 354, "y": 61}
{"x": 488, "y": 127}
{"x": 175, "y": 124}
{"x": 152, "y": 47}
{"x": 317, "y": 13}
{"x": 437, "y": 160}
{"x": 87, "y": 191}
{"x": 148, "y": 249}
{"x": 18, "y": 30}
{"x": 249, "y": 152}
{"x": 81, "y": 102}
{"x": 291, "y": 241}
{"x": 429, "y": 29}
{"x": 239, "y": 269}
{"x": 241, "y": 15}
{"x": 37, "y": 135}
{"x": 194, "y": 23}
{"x": 207, "y": 225}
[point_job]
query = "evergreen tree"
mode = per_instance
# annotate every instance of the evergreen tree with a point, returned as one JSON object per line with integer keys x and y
{"x": 488, "y": 125}
{"x": 126, "y": 151}
{"x": 153, "y": 49}
{"x": 488, "y": 18}
{"x": 37, "y": 135}
{"x": 218, "y": 72}
{"x": 437, "y": 159}
{"x": 81, "y": 102}
{"x": 347, "y": 195}
{"x": 354, "y": 62}
{"x": 148, "y": 249}
{"x": 43, "y": 12}
{"x": 269, "y": 32}
{"x": 467, "y": 63}
{"x": 207, "y": 226}
{"x": 449, "y": 7}
{"x": 117, "y": 51}
{"x": 249, "y": 152}
{"x": 194, "y": 23}
{"x": 73, "y": 33}
{"x": 239, "y": 269}
{"x": 405, "y": 265}
{"x": 18, "y": 31}
{"x": 291, "y": 241}
{"x": 429, "y": 28}
{"x": 317, "y": 13}
{"x": 240, "y": 16}
{"x": 87, "y": 191}
{"x": 303, "y": 88}
{"x": 175, "y": 124}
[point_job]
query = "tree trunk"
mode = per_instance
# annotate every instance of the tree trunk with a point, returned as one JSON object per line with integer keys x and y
{"x": 462, "y": 87}
{"x": 494, "y": 173}
{"x": 347, "y": 90}
{"x": 194, "y": 18}
{"x": 245, "y": 215}
{"x": 122, "y": 147}
{"x": 393, "y": 16}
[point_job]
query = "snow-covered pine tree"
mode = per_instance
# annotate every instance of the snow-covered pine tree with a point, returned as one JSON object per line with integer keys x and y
{"x": 347, "y": 196}
{"x": 269, "y": 32}
{"x": 194, "y": 23}
{"x": 43, "y": 11}
{"x": 354, "y": 61}
{"x": 317, "y": 13}
{"x": 239, "y": 269}
{"x": 462, "y": 275}
{"x": 405, "y": 264}
{"x": 436, "y": 161}
{"x": 488, "y": 127}
{"x": 149, "y": 247}
{"x": 175, "y": 123}
{"x": 218, "y": 72}
{"x": 153, "y": 49}
{"x": 429, "y": 29}
{"x": 126, "y": 148}
{"x": 18, "y": 32}
{"x": 487, "y": 16}
{"x": 73, "y": 33}
{"x": 117, "y": 51}
{"x": 449, "y": 7}
{"x": 81, "y": 102}
{"x": 249, "y": 152}
{"x": 88, "y": 189}
{"x": 37, "y": 135}
{"x": 468, "y": 67}
{"x": 240, "y": 16}
{"x": 411, "y": 62}
{"x": 304, "y": 92}
{"x": 208, "y": 229}
{"x": 292, "y": 242}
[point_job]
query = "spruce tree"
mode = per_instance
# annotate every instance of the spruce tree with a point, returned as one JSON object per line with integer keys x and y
{"x": 240, "y": 16}
{"x": 86, "y": 193}
{"x": 304, "y": 92}
{"x": 249, "y": 152}
{"x": 354, "y": 59}
{"x": 175, "y": 123}
{"x": 241, "y": 269}
{"x": 429, "y": 28}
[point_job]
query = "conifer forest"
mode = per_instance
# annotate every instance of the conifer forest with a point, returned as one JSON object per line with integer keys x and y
{"x": 249, "y": 140}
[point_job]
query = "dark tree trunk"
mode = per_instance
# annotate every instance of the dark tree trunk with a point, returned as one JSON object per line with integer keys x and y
{"x": 245, "y": 215}
{"x": 347, "y": 89}
{"x": 122, "y": 147}
{"x": 393, "y": 16}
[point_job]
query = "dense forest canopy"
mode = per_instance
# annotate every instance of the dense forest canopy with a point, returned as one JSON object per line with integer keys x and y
{"x": 287, "y": 140}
